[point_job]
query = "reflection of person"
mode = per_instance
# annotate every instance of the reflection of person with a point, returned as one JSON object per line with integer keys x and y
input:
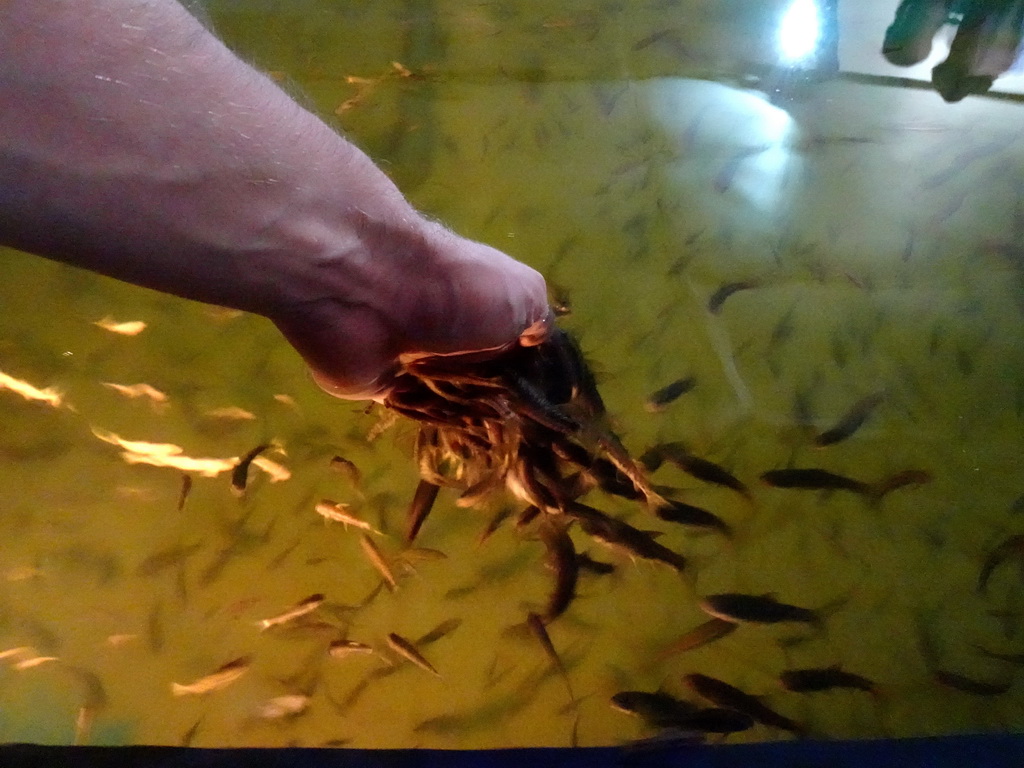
{"x": 985, "y": 46}
{"x": 133, "y": 143}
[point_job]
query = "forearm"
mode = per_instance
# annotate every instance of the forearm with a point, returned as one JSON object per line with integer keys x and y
{"x": 133, "y": 143}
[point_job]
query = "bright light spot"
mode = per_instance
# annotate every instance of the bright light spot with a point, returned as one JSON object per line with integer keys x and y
{"x": 799, "y": 31}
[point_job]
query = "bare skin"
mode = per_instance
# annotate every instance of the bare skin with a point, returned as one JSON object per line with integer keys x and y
{"x": 135, "y": 144}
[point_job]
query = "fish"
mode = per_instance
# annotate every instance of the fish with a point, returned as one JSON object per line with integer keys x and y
{"x": 128, "y": 328}
{"x": 1012, "y": 658}
{"x": 561, "y": 557}
{"x": 586, "y": 563}
{"x": 701, "y": 635}
{"x": 34, "y": 661}
{"x": 852, "y": 421}
{"x": 756, "y": 609}
{"x": 408, "y": 651}
{"x": 658, "y": 401}
{"x": 504, "y": 513}
{"x": 687, "y": 514}
{"x": 348, "y": 469}
{"x": 340, "y": 649}
{"x": 215, "y": 681}
{"x": 811, "y": 680}
{"x": 280, "y": 707}
{"x": 718, "y": 297}
{"x": 422, "y": 502}
{"x": 1013, "y": 546}
{"x": 377, "y": 560}
{"x": 970, "y": 685}
{"x": 332, "y": 510}
{"x": 302, "y": 608}
{"x": 701, "y": 469}
{"x": 536, "y": 625}
{"x": 230, "y": 413}
{"x": 51, "y": 396}
{"x": 443, "y": 629}
{"x": 902, "y": 480}
{"x": 724, "y": 695}
{"x": 240, "y": 472}
{"x": 814, "y": 479}
{"x": 619, "y": 535}
{"x": 186, "y": 489}
{"x": 657, "y": 709}
{"x": 166, "y": 558}
{"x": 137, "y": 390}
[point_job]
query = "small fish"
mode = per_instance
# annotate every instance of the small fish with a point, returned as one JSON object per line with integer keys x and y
{"x": 34, "y": 661}
{"x": 658, "y": 401}
{"x": 230, "y": 413}
{"x": 137, "y": 390}
{"x": 221, "y": 678}
{"x": 408, "y": 651}
{"x": 166, "y": 558}
{"x": 902, "y": 480}
{"x": 687, "y": 514}
{"x": 813, "y": 479}
{"x": 443, "y": 629}
{"x": 701, "y": 635}
{"x": 340, "y": 649}
{"x": 302, "y": 608}
{"x": 587, "y": 563}
{"x": 240, "y": 472}
{"x": 1011, "y": 547}
{"x": 186, "y": 489}
{"x": 422, "y": 502}
{"x": 348, "y": 469}
{"x": 377, "y": 560}
{"x": 970, "y": 685}
{"x": 536, "y": 625}
{"x": 129, "y": 328}
{"x": 619, "y": 535}
{"x": 332, "y": 510}
{"x": 718, "y": 297}
{"x": 851, "y": 422}
{"x": 279, "y": 707}
{"x": 724, "y": 695}
{"x": 561, "y": 558}
{"x": 657, "y": 709}
{"x": 812, "y": 680}
{"x": 756, "y": 609}
{"x": 701, "y": 469}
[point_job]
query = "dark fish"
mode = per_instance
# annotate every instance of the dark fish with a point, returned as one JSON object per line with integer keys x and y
{"x": 720, "y": 720}
{"x": 718, "y": 297}
{"x": 536, "y": 625}
{"x": 657, "y": 401}
{"x": 757, "y": 609}
{"x": 851, "y": 422}
{"x": 527, "y": 516}
{"x": 408, "y": 651}
{"x": 504, "y": 513}
{"x": 902, "y": 480}
{"x": 1012, "y": 658}
{"x": 562, "y": 560}
{"x": 725, "y": 695}
{"x": 422, "y": 503}
{"x": 686, "y": 514}
{"x": 812, "y": 680}
{"x": 617, "y": 534}
{"x": 657, "y": 709}
{"x": 348, "y": 468}
{"x": 166, "y": 558}
{"x": 443, "y": 629}
{"x": 699, "y": 636}
{"x": 240, "y": 474}
{"x": 701, "y": 469}
{"x": 1012, "y": 546}
{"x": 587, "y": 563}
{"x": 812, "y": 479}
{"x": 970, "y": 685}
{"x": 186, "y": 488}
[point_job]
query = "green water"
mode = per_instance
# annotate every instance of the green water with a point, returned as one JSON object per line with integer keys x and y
{"x": 624, "y": 151}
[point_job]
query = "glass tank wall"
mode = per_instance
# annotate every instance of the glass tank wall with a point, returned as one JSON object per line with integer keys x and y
{"x": 744, "y": 200}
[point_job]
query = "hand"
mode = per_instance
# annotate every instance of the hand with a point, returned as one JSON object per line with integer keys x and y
{"x": 441, "y": 294}
{"x": 989, "y": 33}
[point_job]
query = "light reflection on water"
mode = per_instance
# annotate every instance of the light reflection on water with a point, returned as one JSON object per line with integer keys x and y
{"x": 880, "y": 229}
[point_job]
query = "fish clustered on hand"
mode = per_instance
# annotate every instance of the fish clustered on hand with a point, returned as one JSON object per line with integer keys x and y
{"x": 530, "y": 421}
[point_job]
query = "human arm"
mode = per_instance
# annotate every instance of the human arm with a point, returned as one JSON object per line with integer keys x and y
{"x": 135, "y": 144}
